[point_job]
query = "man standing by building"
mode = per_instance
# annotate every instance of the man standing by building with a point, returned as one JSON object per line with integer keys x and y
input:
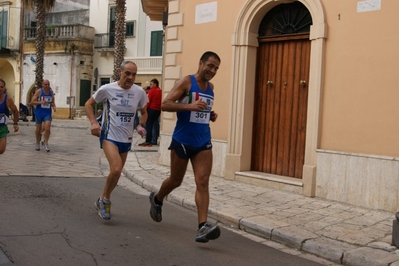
{"x": 121, "y": 102}
{"x": 44, "y": 101}
{"x": 192, "y": 99}
{"x": 154, "y": 111}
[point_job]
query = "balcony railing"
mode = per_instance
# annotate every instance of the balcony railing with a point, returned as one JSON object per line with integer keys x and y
{"x": 104, "y": 40}
{"x": 148, "y": 65}
{"x": 62, "y": 32}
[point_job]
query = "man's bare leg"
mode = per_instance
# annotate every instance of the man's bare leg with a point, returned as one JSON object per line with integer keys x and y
{"x": 47, "y": 128}
{"x": 202, "y": 166}
{"x": 116, "y": 162}
{"x": 178, "y": 167}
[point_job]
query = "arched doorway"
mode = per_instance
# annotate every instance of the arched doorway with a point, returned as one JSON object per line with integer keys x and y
{"x": 281, "y": 91}
{"x": 245, "y": 46}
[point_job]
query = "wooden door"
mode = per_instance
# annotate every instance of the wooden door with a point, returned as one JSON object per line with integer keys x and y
{"x": 280, "y": 107}
{"x": 85, "y": 91}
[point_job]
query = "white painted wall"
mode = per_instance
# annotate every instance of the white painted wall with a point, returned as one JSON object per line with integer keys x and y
{"x": 138, "y": 46}
{"x": 58, "y": 75}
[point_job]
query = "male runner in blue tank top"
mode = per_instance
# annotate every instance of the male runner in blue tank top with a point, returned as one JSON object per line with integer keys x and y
{"x": 192, "y": 99}
{"x": 44, "y": 101}
{"x": 6, "y": 103}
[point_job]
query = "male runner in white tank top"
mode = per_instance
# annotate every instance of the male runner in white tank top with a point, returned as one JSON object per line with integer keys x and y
{"x": 121, "y": 102}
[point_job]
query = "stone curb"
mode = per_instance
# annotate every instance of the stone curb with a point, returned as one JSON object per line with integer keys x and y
{"x": 283, "y": 233}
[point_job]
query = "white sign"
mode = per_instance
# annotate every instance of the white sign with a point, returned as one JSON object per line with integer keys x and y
{"x": 206, "y": 13}
{"x": 369, "y": 5}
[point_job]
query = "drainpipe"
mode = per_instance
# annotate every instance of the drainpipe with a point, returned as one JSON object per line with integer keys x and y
{"x": 70, "y": 82}
{"x": 21, "y": 21}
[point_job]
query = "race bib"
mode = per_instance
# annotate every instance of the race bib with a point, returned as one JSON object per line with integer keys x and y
{"x": 3, "y": 119}
{"x": 204, "y": 116}
{"x": 48, "y": 100}
{"x": 124, "y": 119}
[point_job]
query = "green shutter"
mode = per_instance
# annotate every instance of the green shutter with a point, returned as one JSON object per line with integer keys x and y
{"x": 3, "y": 28}
{"x": 156, "y": 43}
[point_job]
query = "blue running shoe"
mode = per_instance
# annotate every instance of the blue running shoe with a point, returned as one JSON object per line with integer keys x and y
{"x": 156, "y": 209}
{"x": 207, "y": 232}
{"x": 103, "y": 208}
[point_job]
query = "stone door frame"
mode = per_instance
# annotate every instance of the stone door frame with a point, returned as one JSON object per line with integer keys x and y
{"x": 244, "y": 48}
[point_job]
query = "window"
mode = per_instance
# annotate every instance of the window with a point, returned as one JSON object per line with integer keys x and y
{"x": 3, "y": 28}
{"x": 129, "y": 28}
{"x": 104, "y": 81}
{"x": 112, "y": 19}
{"x": 111, "y": 26}
{"x": 284, "y": 19}
{"x": 129, "y": 25}
{"x": 156, "y": 43}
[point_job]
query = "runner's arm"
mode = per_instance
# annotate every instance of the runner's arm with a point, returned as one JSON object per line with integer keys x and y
{"x": 178, "y": 92}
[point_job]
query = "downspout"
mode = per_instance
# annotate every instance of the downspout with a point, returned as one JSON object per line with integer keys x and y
{"x": 70, "y": 82}
{"x": 165, "y": 16}
{"x": 21, "y": 21}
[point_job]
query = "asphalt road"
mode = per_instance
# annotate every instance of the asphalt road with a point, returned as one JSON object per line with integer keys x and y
{"x": 48, "y": 216}
{"x": 52, "y": 221}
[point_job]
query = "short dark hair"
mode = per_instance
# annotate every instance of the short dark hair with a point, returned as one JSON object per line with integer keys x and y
{"x": 155, "y": 81}
{"x": 208, "y": 54}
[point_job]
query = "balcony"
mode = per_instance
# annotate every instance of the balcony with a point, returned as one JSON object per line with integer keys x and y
{"x": 154, "y": 8}
{"x": 104, "y": 45}
{"x": 104, "y": 41}
{"x": 59, "y": 36}
{"x": 81, "y": 32}
{"x": 148, "y": 65}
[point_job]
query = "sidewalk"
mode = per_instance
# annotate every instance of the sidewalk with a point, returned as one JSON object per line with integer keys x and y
{"x": 338, "y": 232}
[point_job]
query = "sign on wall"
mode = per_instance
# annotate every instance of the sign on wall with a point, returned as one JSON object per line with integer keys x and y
{"x": 205, "y": 13}
{"x": 368, "y": 5}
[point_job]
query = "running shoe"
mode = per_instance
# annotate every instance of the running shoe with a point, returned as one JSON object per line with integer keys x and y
{"x": 37, "y": 146}
{"x": 46, "y": 147}
{"x": 103, "y": 208}
{"x": 207, "y": 232}
{"x": 156, "y": 209}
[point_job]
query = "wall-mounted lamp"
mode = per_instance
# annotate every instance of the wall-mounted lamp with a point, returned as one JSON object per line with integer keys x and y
{"x": 55, "y": 63}
{"x": 165, "y": 15}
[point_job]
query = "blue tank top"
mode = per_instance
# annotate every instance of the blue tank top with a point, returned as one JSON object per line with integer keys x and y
{"x": 3, "y": 107}
{"x": 192, "y": 127}
{"x": 43, "y": 110}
